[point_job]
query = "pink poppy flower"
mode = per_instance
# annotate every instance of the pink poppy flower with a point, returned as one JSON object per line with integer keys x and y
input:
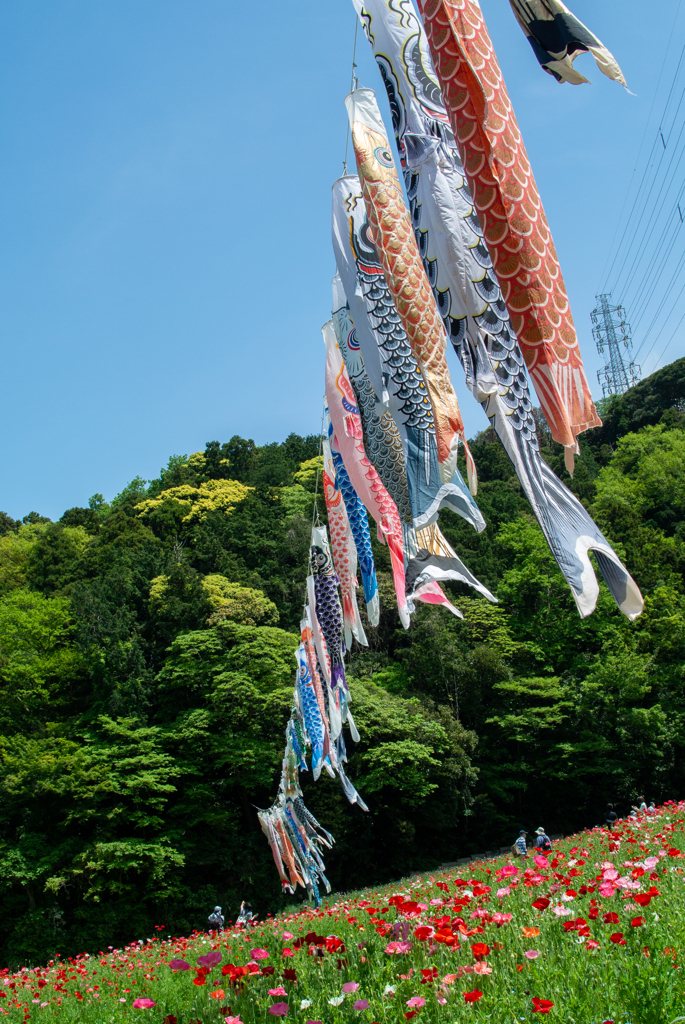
{"x": 350, "y": 986}
{"x": 482, "y": 968}
{"x": 279, "y": 1009}
{"x": 259, "y": 954}
{"x": 506, "y": 891}
{"x": 532, "y": 954}
{"x": 416, "y": 1001}
{"x": 361, "y": 1004}
{"x": 397, "y": 947}
{"x": 143, "y": 1004}
{"x": 232, "y": 1020}
{"x": 540, "y": 861}
{"x": 280, "y": 991}
{"x": 287, "y": 935}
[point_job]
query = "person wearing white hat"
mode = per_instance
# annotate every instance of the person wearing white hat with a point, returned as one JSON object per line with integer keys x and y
{"x": 543, "y": 843}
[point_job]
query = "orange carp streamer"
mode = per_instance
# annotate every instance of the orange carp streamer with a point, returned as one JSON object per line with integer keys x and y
{"x": 403, "y": 270}
{"x": 511, "y": 214}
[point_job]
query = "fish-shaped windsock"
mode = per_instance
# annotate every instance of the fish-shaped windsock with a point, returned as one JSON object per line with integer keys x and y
{"x": 382, "y": 441}
{"x": 308, "y": 642}
{"x": 359, "y": 524}
{"x": 470, "y": 299}
{"x": 328, "y": 610}
{"x": 266, "y": 822}
{"x": 365, "y": 480}
{"x": 343, "y": 549}
{"x": 400, "y": 258}
{"x": 310, "y": 710}
{"x": 557, "y": 38}
{"x": 511, "y": 214}
{"x": 389, "y": 362}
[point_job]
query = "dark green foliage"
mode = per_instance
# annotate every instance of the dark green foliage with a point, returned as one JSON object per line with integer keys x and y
{"x": 137, "y": 738}
{"x": 658, "y": 396}
{"x": 7, "y": 524}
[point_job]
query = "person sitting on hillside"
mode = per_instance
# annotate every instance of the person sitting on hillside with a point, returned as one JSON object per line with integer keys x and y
{"x": 245, "y": 916}
{"x": 519, "y": 848}
{"x": 543, "y": 843}
{"x": 652, "y": 808}
{"x": 610, "y": 816}
{"x": 216, "y": 920}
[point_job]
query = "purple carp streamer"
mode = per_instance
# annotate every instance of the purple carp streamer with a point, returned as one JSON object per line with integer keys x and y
{"x": 469, "y": 298}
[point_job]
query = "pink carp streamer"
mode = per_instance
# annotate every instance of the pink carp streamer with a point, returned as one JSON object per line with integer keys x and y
{"x": 364, "y": 478}
{"x": 511, "y": 214}
{"x": 393, "y": 236}
{"x": 343, "y": 550}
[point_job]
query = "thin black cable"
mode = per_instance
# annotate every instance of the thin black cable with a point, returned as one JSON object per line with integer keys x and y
{"x": 669, "y": 341}
{"x": 650, "y": 213}
{"x": 657, "y": 337}
{"x": 660, "y": 310}
{"x": 637, "y": 162}
{"x": 641, "y": 300}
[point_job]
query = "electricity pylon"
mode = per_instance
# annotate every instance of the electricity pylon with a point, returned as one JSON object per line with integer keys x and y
{"x": 615, "y": 377}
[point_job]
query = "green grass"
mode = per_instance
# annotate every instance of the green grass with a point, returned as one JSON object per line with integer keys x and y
{"x": 590, "y": 952}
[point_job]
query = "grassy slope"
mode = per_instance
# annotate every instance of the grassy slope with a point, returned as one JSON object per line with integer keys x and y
{"x": 597, "y": 956}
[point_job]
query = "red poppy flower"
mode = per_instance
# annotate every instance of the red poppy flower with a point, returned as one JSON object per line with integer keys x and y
{"x": 473, "y": 997}
{"x": 610, "y": 918}
{"x": 541, "y": 1005}
{"x": 410, "y": 1014}
{"x": 592, "y": 944}
{"x": 542, "y": 903}
{"x": 290, "y": 975}
{"x": 200, "y": 980}
{"x": 480, "y": 949}
{"x": 617, "y": 938}
{"x": 637, "y": 921}
{"x": 642, "y": 898}
{"x": 170, "y": 1019}
{"x": 423, "y": 933}
{"x": 267, "y": 970}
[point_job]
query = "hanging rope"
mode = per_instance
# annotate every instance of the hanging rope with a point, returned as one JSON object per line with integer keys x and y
{"x": 352, "y": 86}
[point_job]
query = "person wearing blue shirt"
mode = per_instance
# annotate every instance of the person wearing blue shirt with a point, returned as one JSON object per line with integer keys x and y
{"x": 543, "y": 843}
{"x": 521, "y": 843}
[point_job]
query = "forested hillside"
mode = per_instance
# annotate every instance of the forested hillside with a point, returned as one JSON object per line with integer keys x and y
{"x": 146, "y": 666}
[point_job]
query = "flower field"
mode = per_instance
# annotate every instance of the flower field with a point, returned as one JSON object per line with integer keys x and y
{"x": 592, "y": 933}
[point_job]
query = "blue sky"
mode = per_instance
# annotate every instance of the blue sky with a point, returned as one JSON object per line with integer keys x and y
{"x": 165, "y": 204}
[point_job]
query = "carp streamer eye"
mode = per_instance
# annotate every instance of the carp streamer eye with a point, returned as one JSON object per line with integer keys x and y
{"x": 352, "y": 342}
{"x": 384, "y": 156}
